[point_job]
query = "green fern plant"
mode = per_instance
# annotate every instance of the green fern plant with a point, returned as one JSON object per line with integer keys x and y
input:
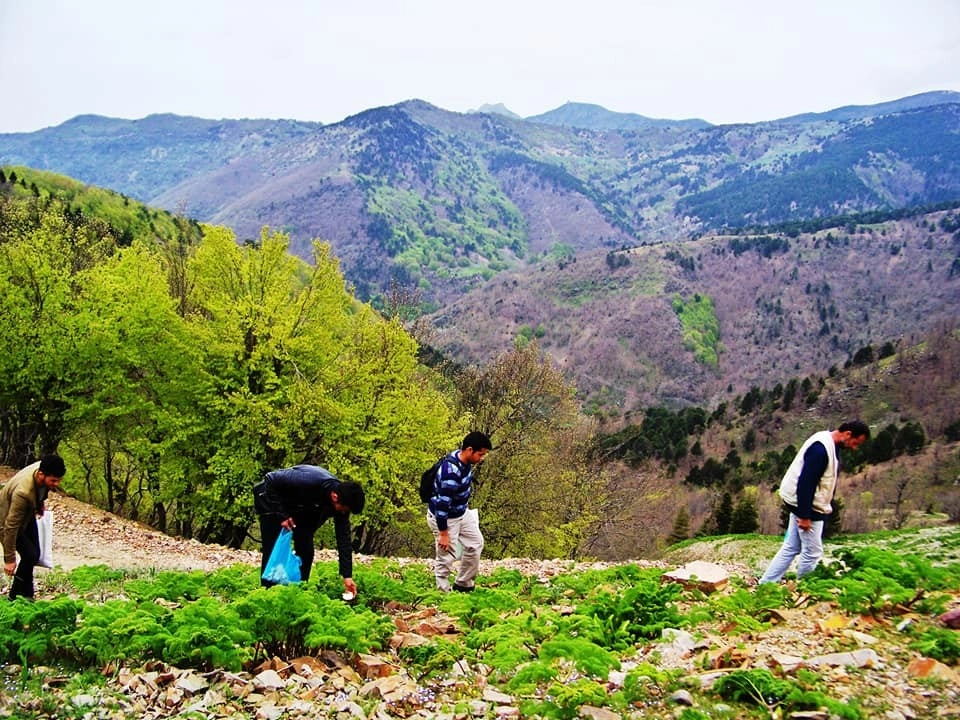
{"x": 119, "y": 630}
{"x": 563, "y": 700}
{"x": 207, "y": 634}
{"x": 34, "y": 631}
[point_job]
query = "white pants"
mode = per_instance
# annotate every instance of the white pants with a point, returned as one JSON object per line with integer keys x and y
{"x": 466, "y": 543}
{"x": 805, "y": 543}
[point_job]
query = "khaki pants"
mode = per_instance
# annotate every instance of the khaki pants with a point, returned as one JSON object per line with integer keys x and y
{"x": 466, "y": 543}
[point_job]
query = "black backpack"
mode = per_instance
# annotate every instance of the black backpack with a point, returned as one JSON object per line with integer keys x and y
{"x": 428, "y": 481}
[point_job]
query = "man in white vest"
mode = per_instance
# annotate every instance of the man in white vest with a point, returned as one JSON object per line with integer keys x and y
{"x": 807, "y": 490}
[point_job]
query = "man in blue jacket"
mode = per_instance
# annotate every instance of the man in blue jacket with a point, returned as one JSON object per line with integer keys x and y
{"x": 807, "y": 490}
{"x": 449, "y": 518}
{"x": 301, "y": 498}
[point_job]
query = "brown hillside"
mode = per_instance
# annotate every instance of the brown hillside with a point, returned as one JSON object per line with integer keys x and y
{"x": 606, "y": 319}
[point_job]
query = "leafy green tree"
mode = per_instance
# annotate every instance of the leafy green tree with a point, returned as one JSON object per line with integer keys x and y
{"x": 40, "y": 256}
{"x": 952, "y": 431}
{"x": 711, "y": 473}
{"x": 539, "y": 475}
{"x": 880, "y": 447}
{"x": 910, "y": 439}
{"x": 131, "y": 393}
{"x": 294, "y": 369}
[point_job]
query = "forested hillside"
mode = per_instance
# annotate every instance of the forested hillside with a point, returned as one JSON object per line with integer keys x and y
{"x": 173, "y": 368}
{"x": 703, "y": 321}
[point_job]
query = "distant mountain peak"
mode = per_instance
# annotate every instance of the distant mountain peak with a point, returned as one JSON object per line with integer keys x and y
{"x": 496, "y": 109}
{"x": 597, "y": 117}
{"x": 855, "y": 112}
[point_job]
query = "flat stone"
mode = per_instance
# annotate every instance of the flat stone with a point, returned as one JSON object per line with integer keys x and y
{"x": 370, "y": 666}
{"x": 268, "y": 680}
{"x": 307, "y": 666}
{"x": 704, "y": 576}
{"x": 496, "y": 697}
{"x": 192, "y": 683}
{"x": 864, "y": 657}
{"x": 923, "y": 667}
{"x": 408, "y": 639}
{"x": 789, "y": 663}
{"x": 597, "y": 713}
{"x": 392, "y": 688}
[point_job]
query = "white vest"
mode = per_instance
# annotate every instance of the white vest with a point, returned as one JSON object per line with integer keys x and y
{"x": 828, "y": 483}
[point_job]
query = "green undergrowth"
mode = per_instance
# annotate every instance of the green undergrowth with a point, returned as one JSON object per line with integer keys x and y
{"x": 761, "y": 687}
{"x": 553, "y": 644}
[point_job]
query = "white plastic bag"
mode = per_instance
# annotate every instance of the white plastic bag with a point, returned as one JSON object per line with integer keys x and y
{"x": 45, "y": 532}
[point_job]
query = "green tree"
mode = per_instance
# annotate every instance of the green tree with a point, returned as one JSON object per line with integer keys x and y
{"x": 681, "y": 526}
{"x": 745, "y": 518}
{"x": 133, "y": 385}
{"x": 910, "y": 439}
{"x": 294, "y": 369}
{"x": 539, "y": 475}
{"x": 40, "y": 255}
{"x": 723, "y": 514}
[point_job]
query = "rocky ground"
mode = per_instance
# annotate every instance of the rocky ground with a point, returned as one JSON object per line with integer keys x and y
{"x": 86, "y": 535}
{"x": 863, "y": 658}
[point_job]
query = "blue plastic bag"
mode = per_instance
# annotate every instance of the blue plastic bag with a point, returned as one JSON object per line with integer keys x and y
{"x": 283, "y": 566}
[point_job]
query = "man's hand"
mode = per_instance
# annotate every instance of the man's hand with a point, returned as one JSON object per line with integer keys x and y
{"x": 443, "y": 540}
{"x": 288, "y": 524}
{"x": 9, "y": 568}
{"x": 804, "y": 524}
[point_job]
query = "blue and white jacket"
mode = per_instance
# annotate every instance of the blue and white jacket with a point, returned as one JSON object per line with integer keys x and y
{"x": 452, "y": 489}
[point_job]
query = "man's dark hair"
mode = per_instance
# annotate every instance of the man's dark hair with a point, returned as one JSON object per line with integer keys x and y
{"x": 53, "y": 466}
{"x": 351, "y": 494}
{"x": 477, "y": 441}
{"x": 857, "y": 428}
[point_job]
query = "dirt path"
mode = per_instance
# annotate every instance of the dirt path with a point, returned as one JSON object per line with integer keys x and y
{"x": 86, "y": 535}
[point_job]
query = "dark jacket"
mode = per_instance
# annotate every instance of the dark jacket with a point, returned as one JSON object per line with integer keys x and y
{"x": 452, "y": 491}
{"x": 303, "y": 493}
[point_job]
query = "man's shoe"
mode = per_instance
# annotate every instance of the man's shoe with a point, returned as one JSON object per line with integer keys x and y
{"x": 462, "y": 588}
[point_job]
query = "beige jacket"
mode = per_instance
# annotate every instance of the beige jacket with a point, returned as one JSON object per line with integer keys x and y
{"x": 20, "y": 499}
{"x": 823, "y": 495}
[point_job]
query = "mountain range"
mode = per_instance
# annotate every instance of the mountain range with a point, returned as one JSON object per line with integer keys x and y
{"x": 585, "y": 230}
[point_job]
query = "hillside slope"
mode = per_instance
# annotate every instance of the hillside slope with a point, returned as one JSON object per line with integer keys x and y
{"x": 784, "y": 308}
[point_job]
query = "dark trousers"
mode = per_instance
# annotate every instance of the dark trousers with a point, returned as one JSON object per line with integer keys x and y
{"x": 306, "y": 528}
{"x": 28, "y": 547}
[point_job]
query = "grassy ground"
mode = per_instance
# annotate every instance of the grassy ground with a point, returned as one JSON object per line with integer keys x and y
{"x": 941, "y": 542}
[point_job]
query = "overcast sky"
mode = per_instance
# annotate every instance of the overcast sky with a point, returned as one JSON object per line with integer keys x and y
{"x": 724, "y": 61}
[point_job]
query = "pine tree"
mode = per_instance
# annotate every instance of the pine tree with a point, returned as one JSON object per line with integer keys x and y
{"x": 681, "y": 526}
{"x": 723, "y": 514}
{"x": 745, "y": 518}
